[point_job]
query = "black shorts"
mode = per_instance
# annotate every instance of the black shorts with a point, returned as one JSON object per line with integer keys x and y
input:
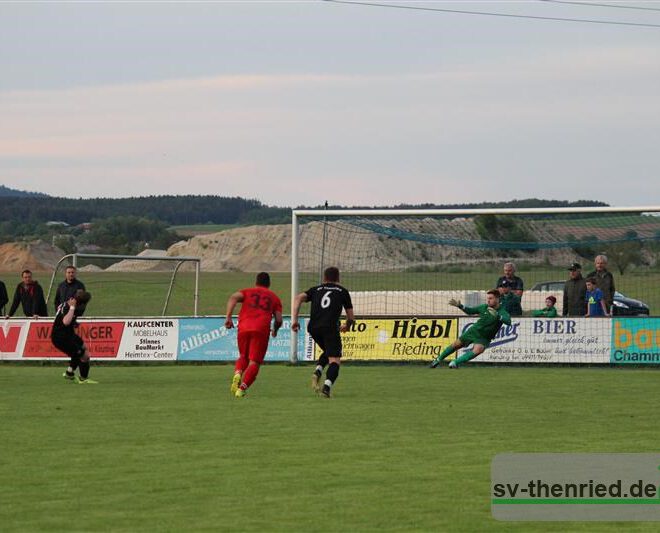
{"x": 72, "y": 345}
{"x": 328, "y": 340}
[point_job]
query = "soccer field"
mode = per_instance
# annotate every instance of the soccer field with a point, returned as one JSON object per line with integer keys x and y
{"x": 165, "y": 448}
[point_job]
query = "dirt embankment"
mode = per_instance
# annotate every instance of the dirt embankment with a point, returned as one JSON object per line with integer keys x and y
{"x": 395, "y": 245}
{"x": 250, "y": 249}
{"x": 137, "y": 265}
{"x": 37, "y": 256}
{"x": 350, "y": 247}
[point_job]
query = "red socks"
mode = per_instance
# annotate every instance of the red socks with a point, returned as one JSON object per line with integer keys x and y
{"x": 250, "y": 375}
{"x": 241, "y": 364}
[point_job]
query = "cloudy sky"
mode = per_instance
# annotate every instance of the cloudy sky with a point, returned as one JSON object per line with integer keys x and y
{"x": 294, "y": 103}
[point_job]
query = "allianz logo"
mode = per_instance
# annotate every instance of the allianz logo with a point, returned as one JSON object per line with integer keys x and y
{"x": 202, "y": 339}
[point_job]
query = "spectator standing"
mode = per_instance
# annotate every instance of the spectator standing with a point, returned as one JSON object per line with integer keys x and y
{"x": 30, "y": 296}
{"x": 509, "y": 300}
{"x": 604, "y": 280}
{"x": 575, "y": 290}
{"x": 595, "y": 300}
{"x": 68, "y": 288}
{"x": 4, "y": 298}
{"x": 515, "y": 283}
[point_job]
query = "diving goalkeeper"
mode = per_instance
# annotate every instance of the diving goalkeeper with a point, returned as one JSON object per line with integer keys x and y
{"x": 479, "y": 334}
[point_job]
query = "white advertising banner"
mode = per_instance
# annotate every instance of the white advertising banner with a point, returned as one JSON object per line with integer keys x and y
{"x": 150, "y": 339}
{"x": 556, "y": 340}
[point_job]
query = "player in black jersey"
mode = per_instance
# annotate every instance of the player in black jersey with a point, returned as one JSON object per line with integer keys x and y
{"x": 328, "y": 300}
{"x": 66, "y": 340}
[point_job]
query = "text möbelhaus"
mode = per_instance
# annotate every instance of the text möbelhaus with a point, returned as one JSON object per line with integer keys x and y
{"x": 410, "y": 329}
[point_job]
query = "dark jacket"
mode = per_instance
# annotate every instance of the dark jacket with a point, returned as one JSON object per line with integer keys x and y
{"x": 31, "y": 297}
{"x": 511, "y": 302}
{"x": 67, "y": 290}
{"x": 515, "y": 283}
{"x": 4, "y": 298}
{"x": 575, "y": 291}
{"x": 605, "y": 282}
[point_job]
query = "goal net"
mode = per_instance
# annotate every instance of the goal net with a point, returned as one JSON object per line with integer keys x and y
{"x": 403, "y": 266}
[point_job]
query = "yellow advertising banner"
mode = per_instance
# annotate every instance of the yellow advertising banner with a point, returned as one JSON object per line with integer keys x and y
{"x": 397, "y": 339}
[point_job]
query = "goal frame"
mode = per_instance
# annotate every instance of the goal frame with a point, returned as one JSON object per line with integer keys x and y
{"x": 297, "y": 214}
{"x": 180, "y": 260}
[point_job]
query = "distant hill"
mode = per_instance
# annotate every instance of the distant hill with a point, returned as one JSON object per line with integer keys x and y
{"x": 526, "y": 203}
{"x": 6, "y": 191}
{"x": 34, "y": 208}
{"x": 173, "y": 210}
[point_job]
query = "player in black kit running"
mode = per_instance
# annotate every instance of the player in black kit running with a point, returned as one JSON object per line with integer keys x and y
{"x": 328, "y": 300}
{"x": 65, "y": 338}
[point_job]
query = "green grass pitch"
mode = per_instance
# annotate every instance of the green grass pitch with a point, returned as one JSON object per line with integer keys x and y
{"x": 165, "y": 448}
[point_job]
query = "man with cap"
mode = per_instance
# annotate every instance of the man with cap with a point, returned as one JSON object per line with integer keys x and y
{"x": 509, "y": 300}
{"x": 515, "y": 283}
{"x": 575, "y": 290}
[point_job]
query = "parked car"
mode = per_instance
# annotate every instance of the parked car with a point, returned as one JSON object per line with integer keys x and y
{"x": 623, "y": 306}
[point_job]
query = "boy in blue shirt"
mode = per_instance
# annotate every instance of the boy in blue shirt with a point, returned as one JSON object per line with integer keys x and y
{"x": 595, "y": 301}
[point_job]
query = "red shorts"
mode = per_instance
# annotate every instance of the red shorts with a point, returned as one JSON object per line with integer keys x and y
{"x": 252, "y": 345}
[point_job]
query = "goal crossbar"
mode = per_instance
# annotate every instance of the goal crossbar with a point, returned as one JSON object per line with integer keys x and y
{"x": 477, "y": 211}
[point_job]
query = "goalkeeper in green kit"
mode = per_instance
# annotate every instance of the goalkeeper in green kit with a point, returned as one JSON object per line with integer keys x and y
{"x": 479, "y": 334}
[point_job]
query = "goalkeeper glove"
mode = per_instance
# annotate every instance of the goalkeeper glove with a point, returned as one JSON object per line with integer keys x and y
{"x": 493, "y": 311}
{"x": 455, "y": 303}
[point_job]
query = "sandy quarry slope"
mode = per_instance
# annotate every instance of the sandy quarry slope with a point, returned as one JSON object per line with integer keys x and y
{"x": 135, "y": 265}
{"x": 255, "y": 248}
{"x": 36, "y": 256}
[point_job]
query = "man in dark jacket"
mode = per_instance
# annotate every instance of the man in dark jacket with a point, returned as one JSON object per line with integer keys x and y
{"x": 515, "y": 283}
{"x": 4, "y": 298}
{"x": 575, "y": 290}
{"x": 604, "y": 280}
{"x": 68, "y": 288}
{"x": 509, "y": 299}
{"x": 30, "y": 295}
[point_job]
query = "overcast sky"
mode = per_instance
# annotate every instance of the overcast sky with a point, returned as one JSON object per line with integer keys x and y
{"x": 294, "y": 103}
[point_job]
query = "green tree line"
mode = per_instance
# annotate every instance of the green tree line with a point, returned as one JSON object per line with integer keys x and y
{"x": 174, "y": 210}
{"x": 183, "y": 210}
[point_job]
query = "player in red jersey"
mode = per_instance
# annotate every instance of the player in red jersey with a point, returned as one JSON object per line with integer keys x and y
{"x": 259, "y": 306}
